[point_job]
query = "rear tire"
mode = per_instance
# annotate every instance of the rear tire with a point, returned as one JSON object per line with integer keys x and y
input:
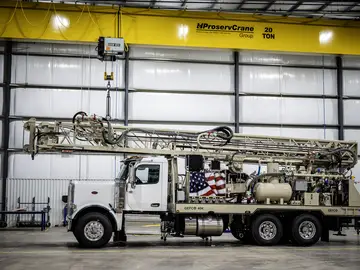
{"x": 306, "y": 230}
{"x": 93, "y": 230}
{"x": 267, "y": 230}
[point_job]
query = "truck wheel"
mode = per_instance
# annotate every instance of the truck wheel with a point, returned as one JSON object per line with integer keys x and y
{"x": 93, "y": 230}
{"x": 267, "y": 230}
{"x": 306, "y": 230}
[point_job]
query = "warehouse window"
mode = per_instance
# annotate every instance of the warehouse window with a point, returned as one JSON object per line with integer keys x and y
{"x": 147, "y": 174}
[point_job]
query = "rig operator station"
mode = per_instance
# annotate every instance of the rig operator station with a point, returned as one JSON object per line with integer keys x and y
{"x": 180, "y": 129}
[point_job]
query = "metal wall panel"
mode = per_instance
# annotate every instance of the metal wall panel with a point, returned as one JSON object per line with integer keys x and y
{"x": 351, "y": 112}
{"x": 1, "y": 130}
{"x": 352, "y": 82}
{"x": 352, "y": 135}
{"x": 1, "y": 180}
{"x": 257, "y": 57}
{"x": 18, "y": 137}
{"x": 56, "y": 166}
{"x": 181, "y": 54}
{"x": 181, "y": 76}
{"x": 50, "y": 102}
{"x": 350, "y": 61}
{"x": 178, "y": 127}
{"x": 48, "y": 70}
{"x": 278, "y": 110}
{"x": 181, "y": 107}
{"x": 1, "y": 99}
{"x": 55, "y": 48}
{"x": 286, "y": 80}
{"x": 63, "y": 71}
{"x": 41, "y": 189}
{"x": 1, "y": 68}
{"x": 45, "y": 166}
{"x": 311, "y": 133}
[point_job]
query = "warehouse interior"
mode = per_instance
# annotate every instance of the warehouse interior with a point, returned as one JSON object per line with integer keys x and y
{"x": 49, "y": 70}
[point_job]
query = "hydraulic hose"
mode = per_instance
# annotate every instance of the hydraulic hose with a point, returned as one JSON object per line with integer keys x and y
{"x": 78, "y": 113}
{"x": 224, "y": 133}
{"x": 83, "y": 114}
{"x": 338, "y": 151}
{"x": 38, "y": 136}
{"x": 109, "y": 131}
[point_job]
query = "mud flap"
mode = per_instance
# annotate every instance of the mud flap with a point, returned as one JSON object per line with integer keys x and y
{"x": 325, "y": 235}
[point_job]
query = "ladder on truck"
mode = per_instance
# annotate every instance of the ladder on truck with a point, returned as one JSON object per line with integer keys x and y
{"x": 92, "y": 133}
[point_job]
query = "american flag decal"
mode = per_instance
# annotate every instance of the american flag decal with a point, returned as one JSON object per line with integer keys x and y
{"x": 207, "y": 184}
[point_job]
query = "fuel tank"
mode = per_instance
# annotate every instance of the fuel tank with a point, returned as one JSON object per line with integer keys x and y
{"x": 204, "y": 226}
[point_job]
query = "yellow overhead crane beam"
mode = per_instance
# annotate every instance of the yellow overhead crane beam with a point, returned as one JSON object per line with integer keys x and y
{"x": 57, "y": 22}
{"x": 84, "y": 23}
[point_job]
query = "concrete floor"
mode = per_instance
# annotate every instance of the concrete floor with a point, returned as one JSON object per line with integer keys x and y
{"x": 56, "y": 249}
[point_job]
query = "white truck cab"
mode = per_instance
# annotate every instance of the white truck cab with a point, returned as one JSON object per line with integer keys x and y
{"x": 148, "y": 191}
{"x": 95, "y": 207}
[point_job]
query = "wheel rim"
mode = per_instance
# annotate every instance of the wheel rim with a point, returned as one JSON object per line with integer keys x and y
{"x": 94, "y": 231}
{"x": 267, "y": 230}
{"x": 307, "y": 230}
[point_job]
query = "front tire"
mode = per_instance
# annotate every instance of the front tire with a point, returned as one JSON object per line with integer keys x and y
{"x": 267, "y": 230}
{"x": 306, "y": 230}
{"x": 93, "y": 230}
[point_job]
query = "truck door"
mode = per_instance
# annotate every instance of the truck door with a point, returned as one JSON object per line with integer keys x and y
{"x": 147, "y": 193}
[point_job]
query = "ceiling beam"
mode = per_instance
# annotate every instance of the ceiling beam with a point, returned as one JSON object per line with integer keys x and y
{"x": 213, "y": 4}
{"x": 349, "y": 8}
{"x": 295, "y": 6}
{"x": 268, "y": 6}
{"x": 325, "y": 5}
{"x": 241, "y": 4}
{"x": 152, "y": 3}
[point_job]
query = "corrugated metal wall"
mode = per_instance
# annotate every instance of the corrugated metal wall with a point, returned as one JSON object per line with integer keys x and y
{"x": 49, "y": 175}
{"x": 1, "y": 109}
{"x": 42, "y": 189}
{"x": 281, "y": 94}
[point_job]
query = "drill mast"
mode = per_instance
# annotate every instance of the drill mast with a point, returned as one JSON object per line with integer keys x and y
{"x": 96, "y": 134}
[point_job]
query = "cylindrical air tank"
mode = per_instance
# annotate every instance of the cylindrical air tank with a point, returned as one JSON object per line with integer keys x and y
{"x": 273, "y": 191}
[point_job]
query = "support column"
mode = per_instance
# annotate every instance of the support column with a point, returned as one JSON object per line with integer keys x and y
{"x": 340, "y": 93}
{"x": 6, "y": 122}
{"x": 126, "y": 96}
{"x": 236, "y": 88}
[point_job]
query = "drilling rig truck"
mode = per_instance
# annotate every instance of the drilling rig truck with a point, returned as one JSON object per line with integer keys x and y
{"x": 196, "y": 182}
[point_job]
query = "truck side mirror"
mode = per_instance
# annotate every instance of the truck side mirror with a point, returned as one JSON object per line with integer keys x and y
{"x": 64, "y": 198}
